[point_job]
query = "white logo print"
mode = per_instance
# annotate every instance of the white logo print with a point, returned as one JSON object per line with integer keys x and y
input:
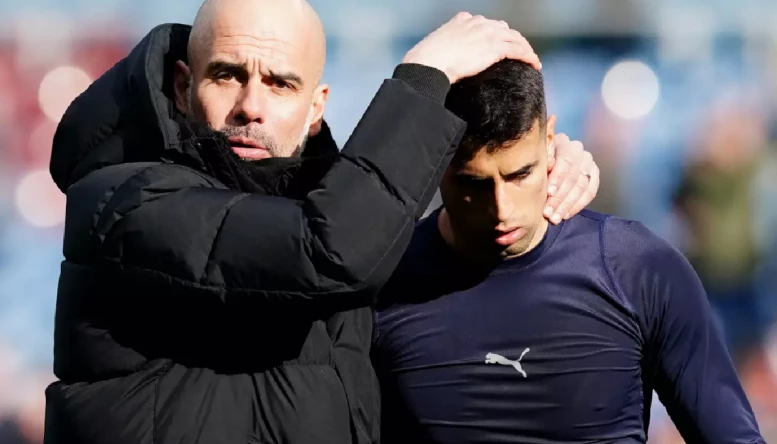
{"x": 493, "y": 358}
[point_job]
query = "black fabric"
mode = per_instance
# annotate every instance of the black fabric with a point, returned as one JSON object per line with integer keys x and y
{"x": 289, "y": 177}
{"x": 432, "y": 83}
{"x": 206, "y": 300}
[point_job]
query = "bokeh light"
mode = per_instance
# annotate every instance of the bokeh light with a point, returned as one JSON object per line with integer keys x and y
{"x": 58, "y": 89}
{"x": 630, "y": 90}
{"x": 39, "y": 201}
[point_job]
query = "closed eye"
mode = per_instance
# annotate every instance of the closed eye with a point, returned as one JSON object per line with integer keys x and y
{"x": 522, "y": 173}
{"x": 473, "y": 183}
{"x": 518, "y": 176}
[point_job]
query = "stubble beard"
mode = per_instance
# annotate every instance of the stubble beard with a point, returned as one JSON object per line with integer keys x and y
{"x": 251, "y": 132}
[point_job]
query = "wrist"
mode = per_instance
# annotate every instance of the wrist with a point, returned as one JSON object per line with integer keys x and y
{"x": 427, "y": 80}
{"x": 412, "y": 59}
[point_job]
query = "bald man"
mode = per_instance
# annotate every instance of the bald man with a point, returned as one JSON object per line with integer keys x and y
{"x": 221, "y": 254}
{"x": 234, "y": 42}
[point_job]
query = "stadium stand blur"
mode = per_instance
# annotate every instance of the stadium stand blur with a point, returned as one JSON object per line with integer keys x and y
{"x": 676, "y": 99}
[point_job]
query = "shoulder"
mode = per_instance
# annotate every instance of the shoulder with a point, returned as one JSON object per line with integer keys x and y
{"x": 139, "y": 174}
{"x": 632, "y": 244}
{"x": 133, "y": 184}
{"x": 624, "y": 241}
{"x": 633, "y": 255}
{"x": 646, "y": 269}
{"x": 101, "y": 199}
{"x": 647, "y": 273}
{"x": 130, "y": 185}
{"x": 586, "y": 223}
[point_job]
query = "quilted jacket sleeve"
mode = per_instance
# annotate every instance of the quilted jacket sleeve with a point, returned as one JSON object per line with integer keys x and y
{"x": 332, "y": 250}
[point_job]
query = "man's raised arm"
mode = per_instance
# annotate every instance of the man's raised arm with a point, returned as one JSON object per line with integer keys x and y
{"x": 336, "y": 247}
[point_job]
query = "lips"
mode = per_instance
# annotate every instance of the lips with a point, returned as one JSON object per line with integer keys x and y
{"x": 507, "y": 238}
{"x": 247, "y": 148}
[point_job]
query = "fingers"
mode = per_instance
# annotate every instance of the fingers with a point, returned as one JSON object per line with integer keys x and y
{"x": 567, "y": 181}
{"x": 525, "y": 52}
{"x": 516, "y": 51}
{"x": 516, "y": 46}
{"x": 576, "y": 192}
{"x": 561, "y": 146}
{"x": 468, "y": 44}
{"x": 563, "y": 179}
{"x": 588, "y": 195}
{"x": 479, "y": 20}
{"x": 551, "y": 165}
{"x": 461, "y": 16}
{"x": 561, "y": 170}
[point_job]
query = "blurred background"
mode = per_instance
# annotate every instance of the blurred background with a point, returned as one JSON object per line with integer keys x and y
{"x": 676, "y": 99}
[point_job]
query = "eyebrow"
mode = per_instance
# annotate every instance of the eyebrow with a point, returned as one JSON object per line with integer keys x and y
{"x": 222, "y": 65}
{"x": 288, "y": 76}
{"x": 524, "y": 170}
{"x": 217, "y": 66}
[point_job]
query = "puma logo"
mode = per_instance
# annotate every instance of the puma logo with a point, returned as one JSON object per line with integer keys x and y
{"x": 493, "y": 358}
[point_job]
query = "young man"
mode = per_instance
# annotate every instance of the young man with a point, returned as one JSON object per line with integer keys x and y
{"x": 499, "y": 327}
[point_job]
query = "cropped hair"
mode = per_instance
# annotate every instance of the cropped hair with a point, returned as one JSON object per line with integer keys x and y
{"x": 500, "y": 106}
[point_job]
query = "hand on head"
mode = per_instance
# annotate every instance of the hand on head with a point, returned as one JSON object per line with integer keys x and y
{"x": 467, "y": 45}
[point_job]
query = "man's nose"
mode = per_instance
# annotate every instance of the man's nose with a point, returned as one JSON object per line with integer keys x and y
{"x": 251, "y": 104}
{"x": 502, "y": 206}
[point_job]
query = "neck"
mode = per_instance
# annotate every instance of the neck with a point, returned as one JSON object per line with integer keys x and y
{"x": 451, "y": 238}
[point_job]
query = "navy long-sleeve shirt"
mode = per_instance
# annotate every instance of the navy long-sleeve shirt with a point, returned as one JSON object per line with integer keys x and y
{"x": 563, "y": 344}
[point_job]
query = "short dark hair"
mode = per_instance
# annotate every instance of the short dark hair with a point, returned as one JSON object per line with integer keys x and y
{"x": 500, "y": 105}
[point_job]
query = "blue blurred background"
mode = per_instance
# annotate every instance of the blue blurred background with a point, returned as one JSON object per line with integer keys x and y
{"x": 676, "y": 99}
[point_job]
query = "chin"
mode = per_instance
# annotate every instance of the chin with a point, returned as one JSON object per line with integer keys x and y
{"x": 515, "y": 250}
{"x": 520, "y": 247}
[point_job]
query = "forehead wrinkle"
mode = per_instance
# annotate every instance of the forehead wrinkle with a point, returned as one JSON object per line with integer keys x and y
{"x": 239, "y": 53}
{"x": 293, "y": 30}
{"x": 265, "y": 55}
{"x": 272, "y": 45}
{"x": 263, "y": 37}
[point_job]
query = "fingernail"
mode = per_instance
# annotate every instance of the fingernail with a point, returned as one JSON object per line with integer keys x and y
{"x": 556, "y": 219}
{"x": 548, "y": 211}
{"x": 552, "y": 190}
{"x": 567, "y": 216}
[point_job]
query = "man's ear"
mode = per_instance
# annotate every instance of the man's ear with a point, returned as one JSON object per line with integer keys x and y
{"x": 181, "y": 83}
{"x": 320, "y": 96}
{"x": 550, "y": 131}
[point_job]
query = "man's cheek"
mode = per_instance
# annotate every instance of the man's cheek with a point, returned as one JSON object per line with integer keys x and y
{"x": 540, "y": 184}
{"x": 214, "y": 107}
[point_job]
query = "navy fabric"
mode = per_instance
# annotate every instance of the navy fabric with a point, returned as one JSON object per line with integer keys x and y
{"x": 564, "y": 344}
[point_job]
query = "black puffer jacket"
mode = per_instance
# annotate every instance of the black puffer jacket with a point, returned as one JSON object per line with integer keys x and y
{"x": 196, "y": 306}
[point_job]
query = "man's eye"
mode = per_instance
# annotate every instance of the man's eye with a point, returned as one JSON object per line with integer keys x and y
{"x": 473, "y": 183}
{"x": 517, "y": 177}
{"x": 282, "y": 84}
{"x": 224, "y": 75}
